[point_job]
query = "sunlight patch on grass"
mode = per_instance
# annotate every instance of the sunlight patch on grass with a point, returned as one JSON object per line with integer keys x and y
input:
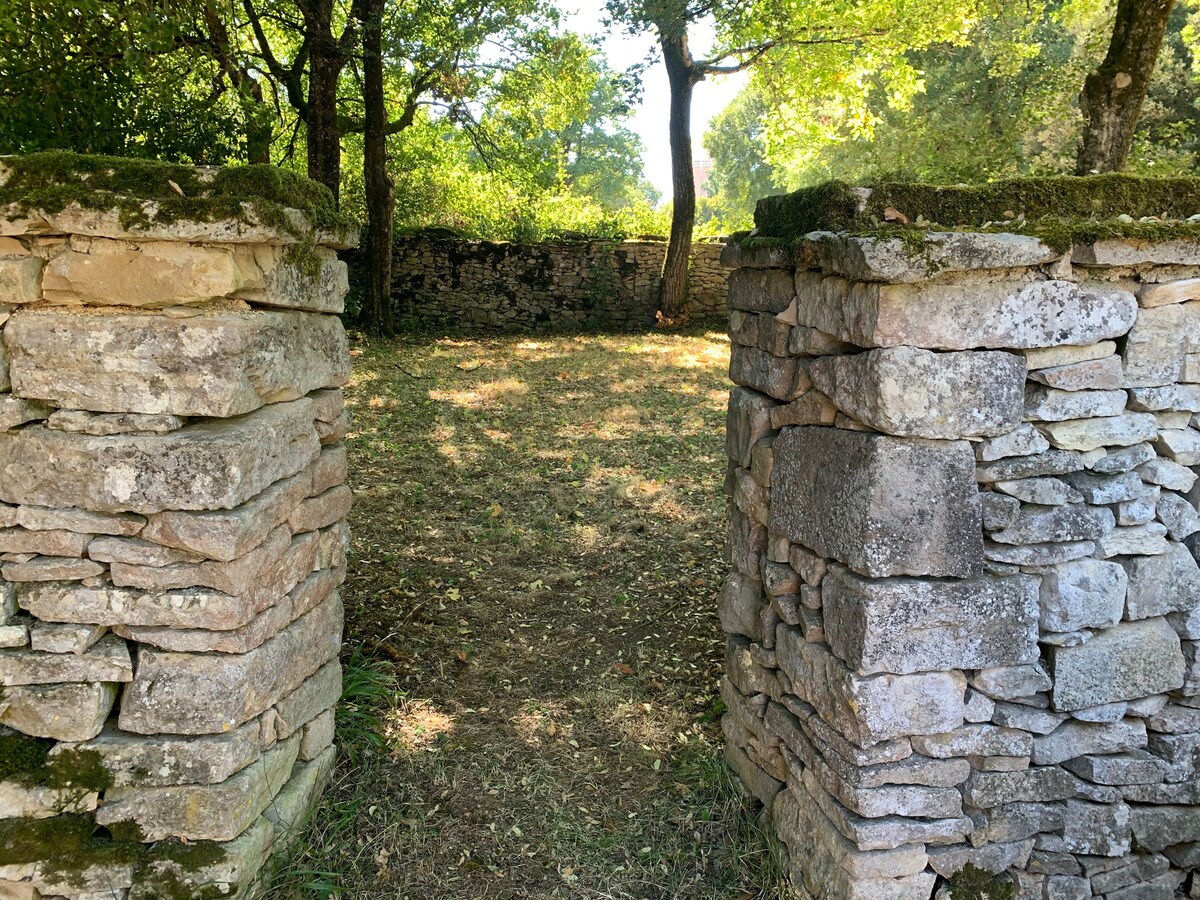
{"x": 416, "y": 725}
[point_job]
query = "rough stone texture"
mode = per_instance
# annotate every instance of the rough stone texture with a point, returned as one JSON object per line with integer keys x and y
{"x": 1029, "y": 704}
{"x": 1015, "y": 315}
{"x": 1133, "y": 659}
{"x": 892, "y": 260}
{"x": 214, "y": 465}
{"x": 442, "y": 282}
{"x": 153, "y": 464}
{"x": 903, "y": 625}
{"x": 857, "y": 498}
{"x": 908, "y": 392}
{"x": 217, "y": 364}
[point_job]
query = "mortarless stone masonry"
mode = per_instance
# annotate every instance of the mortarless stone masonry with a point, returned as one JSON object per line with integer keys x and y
{"x": 548, "y": 286}
{"x": 963, "y": 621}
{"x": 172, "y": 543}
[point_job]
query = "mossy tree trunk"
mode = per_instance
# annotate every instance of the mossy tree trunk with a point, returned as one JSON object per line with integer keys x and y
{"x": 682, "y": 74}
{"x": 380, "y": 195}
{"x": 1112, "y": 95}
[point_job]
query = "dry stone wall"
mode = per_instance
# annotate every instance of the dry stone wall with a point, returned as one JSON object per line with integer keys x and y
{"x": 551, "y": 286}
{"x": 964, "y": 610}
{"x": 172, "y": 542}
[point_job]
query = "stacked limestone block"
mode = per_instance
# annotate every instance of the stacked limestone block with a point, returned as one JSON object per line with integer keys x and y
{"x": 172, "y": 541}
{"x": 964, "y": 612}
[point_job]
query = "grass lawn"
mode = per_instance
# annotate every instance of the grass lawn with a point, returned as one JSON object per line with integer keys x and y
{"x": 532, "y": 641}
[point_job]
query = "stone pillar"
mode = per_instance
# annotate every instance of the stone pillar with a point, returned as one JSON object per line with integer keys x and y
{"x": 172, "y": 525}
{"x": 963, "y": 613}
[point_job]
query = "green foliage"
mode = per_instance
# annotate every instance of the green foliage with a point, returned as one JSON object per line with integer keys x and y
{"x": 973, "y": 883}
{"x": 1002, "y": 104}
{"x": 122, "y": 77}
{"x": 741, "y": 174}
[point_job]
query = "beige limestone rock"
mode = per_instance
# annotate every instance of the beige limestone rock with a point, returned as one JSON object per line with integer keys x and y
{"x": 220, "y": 364}
{"x": 202, "y": 812}
{"x": 46, "y": 543}
{"x": 1093, "y": 374}
{"x": 319, "y": 692}
{"x": 894, "y": 260}
{"x": 62, "y": 712}
{"x": 51, "y": 568}
{"x": 20, "y": 280}
{"x": 105, "y": 604}
{"x": 1152, "y": 295}
{"x": 101, "y": 272}
{"x": 62, "y": 637}
{"x": 1051, "y": 357}
{"x": 85, "y": 422}
{"x": 237, "y": 576}
{"x": 321, "y": 511}
{"x": 15, "y": 634}
{"x": 907, "y": 392}
{"x": 328, "y": 404}
{"x": 330, "y": 469}
{"x": 1133, "y": 252}
{"x": 137, "y": 552}
{"x": 19, "y": 801}
{"x": 1129, "y": 661}
{"x": 1097, "y": 433}
{"x": 214, "y": 465}
{"x": 40, "y": 518}
{"x": 15, "y": 411}
{"x": 767, "y": 290}
{"x": 317, "y": 735}
{"x": 278, "y": 279}
{"x": 107, "y": 660}
{"x": 1010, "y": 315}
{"x": 228, "y": 534}
{"x": 158, "y": 761}
{"x": 200, "y": 693}
{"x": 335, "y": 431}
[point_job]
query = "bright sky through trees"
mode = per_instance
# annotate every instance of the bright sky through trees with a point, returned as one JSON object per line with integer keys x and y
{"x": 650, "y": 119}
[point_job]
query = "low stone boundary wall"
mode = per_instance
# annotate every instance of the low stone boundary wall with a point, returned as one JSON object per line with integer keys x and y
{"x": 172, "y": 541}
{"x": 964, "y": 611}
{"x": 551, "y": 286}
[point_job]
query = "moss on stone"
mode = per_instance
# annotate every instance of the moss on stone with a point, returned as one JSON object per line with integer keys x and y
{"x": 304, "y": 257}
{"x": 51, "y": 181}
{"x": 1060, "y": 210}
{"x": 23, "y": 758}
{"x": 973, "y": 883}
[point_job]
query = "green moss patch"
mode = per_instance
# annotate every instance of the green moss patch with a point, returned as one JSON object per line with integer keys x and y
{"x": 1060, "y": 210}
{"x": 973, "y": 883}
{"x": 27, "y": 761}
{"x": 50, "y": 182}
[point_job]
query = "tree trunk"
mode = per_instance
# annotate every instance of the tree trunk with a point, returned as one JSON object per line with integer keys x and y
{"x": 682, "y": 75}
{"x": 324, "y": 142}
{"x": 1112, "y": 95}
{"x": 380, "y": 196}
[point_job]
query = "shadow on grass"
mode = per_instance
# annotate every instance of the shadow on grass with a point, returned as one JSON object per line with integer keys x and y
{"x": 536, "y": 553}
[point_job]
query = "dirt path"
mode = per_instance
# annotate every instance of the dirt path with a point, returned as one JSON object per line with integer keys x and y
{"x": 537, "y": 546}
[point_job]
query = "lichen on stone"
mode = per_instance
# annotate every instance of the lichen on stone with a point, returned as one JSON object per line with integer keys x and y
{"x": 147, "y": 192}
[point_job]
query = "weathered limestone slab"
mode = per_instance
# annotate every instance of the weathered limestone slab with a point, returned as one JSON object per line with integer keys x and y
{"x": 1124, "y": 251}
{"x": 1084, "y": 593}
{"x": 20, "y": 280}
{"x": 205, "y": 812}
{"x": 1133, "y": 767}
{"x": 776, "y": 376}
{"x": 1039, "y": 491}
{"x": 38, "y": 518}
{"x": 905, "y": 625}
{"x": 1159, "y": 343}
{"x": 1049, "y": 404}
{"x": 884, "y": 506}
{"x": 1093, "y": 434}
{"x": 217, "y": 364}
{"x": 1006, "y": 314}
{"x": 60, "y": 637}
{"x": 1074, "y": 738}
{"x": 747, "y": 422}
{"x": 319, "y": 692}
{"x": 869, "y": 710}
{"x": 62, "y": 712}
{"x": 1152, "y": 295}
{"x": 1024, "y": 440}
{"x": 1094, "y": 374}
{"x": 1057, "y": 524}
{"x": 211, "y": 693}
{"x": 186, "y": 608}
{"x": 1051, "y": 357}
{"x": 214, "y": 465}
{"x": 908, "y": 392}
{"x": 107, "y": 660}
{"x": 19, "y": 801}
{"x": 1162, "y": 584}
{"x": 81, "y": 420}
{"x": 1131, "y": 660}
{"x": 894, "y": 260}
{"x": 761, "y": 290}
{"x": 15, "y": 411}
{"x": 51, "y": 568}
{"x": 136, "y": 552}
{"x": 156, "y": 761}
{"x": 238, "y": 576}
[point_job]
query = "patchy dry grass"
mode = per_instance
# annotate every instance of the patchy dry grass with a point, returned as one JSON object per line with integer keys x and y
{"x": 536, "y": 553}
